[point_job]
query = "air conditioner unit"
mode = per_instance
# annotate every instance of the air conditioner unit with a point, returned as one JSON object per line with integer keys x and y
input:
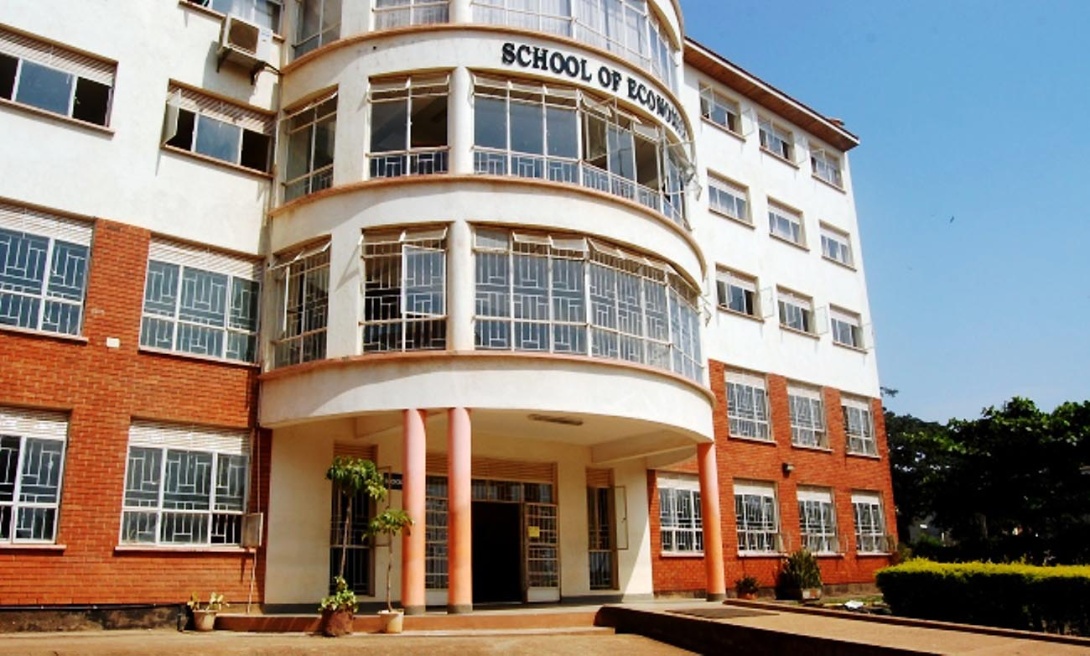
{"x": 245, "y": 44}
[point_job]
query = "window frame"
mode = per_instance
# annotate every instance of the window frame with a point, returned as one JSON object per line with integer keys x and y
{"x": 42, "y": 427}
{"x": 726, "y": 280}
{"x": 188, "y": 259}
{"x": 822, "y": 538}
{"x": 711, "y": 100}
{"x": 672, "y": 520}
{"x": 419, "y": 12}
{"x": 836, "y": 246}
{"x": 249, "y": 17}
{"x": 303, "y": 327}
{"x": 765, "y": 534}
{"x": 216, "y": 113}
{"x": 826, "y": 167}
{"x": 755, "y": 415}
{"x": 841, "y": 320}
{"x": 862, "y": 442}
{"x": 76, "y": 65}
{"x": 327, "y": 31}
{"x": 322, "y": 120}
{"x": 408, "y": 159}
{"x": 167, "y": 439}
{"x": 808, "y": 429}
{"x": 719, "y": 187}
{"x": 784, "y": 222}
{"x": 27, "y": 225}
{"x": 789, "y": 302}
{"x": 776, "y": 139}
{"x": 874, "y": 541}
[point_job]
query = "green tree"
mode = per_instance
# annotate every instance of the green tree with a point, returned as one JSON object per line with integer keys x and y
{"x": 921, "y": 454}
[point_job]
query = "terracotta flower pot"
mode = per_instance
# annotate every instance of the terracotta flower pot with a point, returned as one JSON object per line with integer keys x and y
{"x": 392, "y": 621}
{"x": 336, "y": 623}
{"x": 204, "y": 620}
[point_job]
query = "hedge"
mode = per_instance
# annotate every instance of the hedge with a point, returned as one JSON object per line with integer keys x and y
{"x": 1028, "y": 597}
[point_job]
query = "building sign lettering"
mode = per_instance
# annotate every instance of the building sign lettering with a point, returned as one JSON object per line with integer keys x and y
{"x": 606, "y": 77}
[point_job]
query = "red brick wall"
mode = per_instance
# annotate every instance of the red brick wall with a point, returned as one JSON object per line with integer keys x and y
{"x": 103, "y": 389}
{"x": 760, "y": 461}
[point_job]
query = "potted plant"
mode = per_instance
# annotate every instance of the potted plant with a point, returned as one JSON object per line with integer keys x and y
{"x": 746, "y": 587}
{"x": 351, "y": 476}
{"x": 204, "y": 614}
{"x": 799, "y": 577}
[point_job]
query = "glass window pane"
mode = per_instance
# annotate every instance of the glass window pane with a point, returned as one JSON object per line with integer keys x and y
{"x": 218, "y": 139}
{"x": 45, "y": 88}
{"x": 389, "y": 125}
{"x": 527, "y": 128}
{"x": 490, "y": 122}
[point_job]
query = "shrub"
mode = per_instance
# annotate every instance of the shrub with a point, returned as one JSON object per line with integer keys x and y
{"x": 1015, "y": 596}
{"x": 798, "y": 571}
{"x": 747, "y": 585}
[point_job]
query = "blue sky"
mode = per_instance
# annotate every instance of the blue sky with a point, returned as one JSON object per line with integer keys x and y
{"x": 970, "y": 183}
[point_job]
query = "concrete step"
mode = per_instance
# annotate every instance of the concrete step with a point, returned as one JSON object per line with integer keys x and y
{"x": 560, "y": 621}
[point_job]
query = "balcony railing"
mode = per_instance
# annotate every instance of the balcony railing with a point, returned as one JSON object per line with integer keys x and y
{"x": 490, "y": 161}
{"x": 411, "y": 13}
{"x": 418, "y": 161}
{"x": 308, "y": 184}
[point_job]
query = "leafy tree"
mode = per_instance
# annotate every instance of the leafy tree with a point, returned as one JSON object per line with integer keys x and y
{"x": 921, "y": 454}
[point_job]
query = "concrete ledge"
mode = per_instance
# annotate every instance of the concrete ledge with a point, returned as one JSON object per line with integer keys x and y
{"x": 89, "y": 618}
{"x": 370, "y": 623}
{"x": 705, "y": 636}
{"x": 911, "y": 621}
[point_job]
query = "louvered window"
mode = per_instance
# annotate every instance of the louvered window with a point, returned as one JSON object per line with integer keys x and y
{"x": 200, "y": 302}
{"x": 32, "y": 448}
{"x": 55, "y": 79}
{"x": 208, "y": 126}
{"x": 184, "y": 485}
{"x": 43, "y": 270}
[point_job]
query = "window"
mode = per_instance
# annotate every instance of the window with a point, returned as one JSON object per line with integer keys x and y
{"x": 756, "y": 518}
{"x": 826, "y": 167}
{"x": 200, "y": 302}
{"x": 728, "y": 199}
{"x": 55, "y": 79}
{"x": 409, "y": 126}
{"x": 303, "y": 280}
{"x": 311, "y": 135}
{"x": 569, "y": 294}
{"x": 846, "y": 328}
{"x": 681, "y": 530}
{"x": 817, "y": 520}
{"x": 43, "y": 270}
{"x": 184, "y": 485}
{"x": 786, "y": 224}
{"x": 399, "y": 13}
{"x": 870, "y": 526}
{"x": 747, "y": 406}
{"x": 32, "y": 446}
{"x": 720, "y": 110}
{"x": 215, "y": 128}
{"x": 317, "y": 23}
{"x": 807, "y": 417}
{"x": 561, "y": 134}
{"x": 796, "y": 311}
{"x": 404, "y": 295}
{"x": 776, "y": 139}
{"x": 263, "y": 13}
{"x": 737, "y": 292}
{"x": 836, "y": 246}
{"x": 859, "y": 427}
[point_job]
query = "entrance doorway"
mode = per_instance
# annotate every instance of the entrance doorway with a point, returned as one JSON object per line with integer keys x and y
{"x": 497, "y": 552}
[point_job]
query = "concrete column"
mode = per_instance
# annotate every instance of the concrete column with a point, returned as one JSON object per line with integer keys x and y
{"x": 412, "y": 499}
{"x": 713, "y": 527}
{"x": 461, "y": 279}
{"x": 461, "y": 11}
{"x": 460, "y": 122}
{"x": 459, "y": 509}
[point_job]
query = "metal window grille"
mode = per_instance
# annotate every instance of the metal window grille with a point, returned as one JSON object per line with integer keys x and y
{"x": 564, "y": 294}
{"x": 32, "y": 454}
{"x": 400, "y": 13}
{"x": 436, "y": 556}
{"x": 757, "y": 524}
{"x": 591, "y": 146}
{"x": 409, "y": 126}
{"x": 860, "y": 430}
{"x": 311, "y": 133}
{"x": 184, "y": 485}
{"x": 681, "y": 526}
{"x": 870, "y": 528}
{"x": 304, "y": 288}
{"x": 358, "y": 552}
{"x": 747, "y": 410}
{"x": 817, "y": 525}
{"x": 601, "y": 545}
{"x": 404, "y": 296}
{"x": 807, "y": 419}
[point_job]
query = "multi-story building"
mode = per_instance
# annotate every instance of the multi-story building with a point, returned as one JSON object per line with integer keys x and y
{"x": 590, "y": 293}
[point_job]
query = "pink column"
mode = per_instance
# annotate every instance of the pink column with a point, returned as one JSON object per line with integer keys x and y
{"x": 412, "y": 499}
{"x": 459, "y": 517}
{"x": 713, "y": 528}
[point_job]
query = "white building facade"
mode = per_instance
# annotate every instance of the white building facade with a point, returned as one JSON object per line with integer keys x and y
{"x": 571, "y": 279}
